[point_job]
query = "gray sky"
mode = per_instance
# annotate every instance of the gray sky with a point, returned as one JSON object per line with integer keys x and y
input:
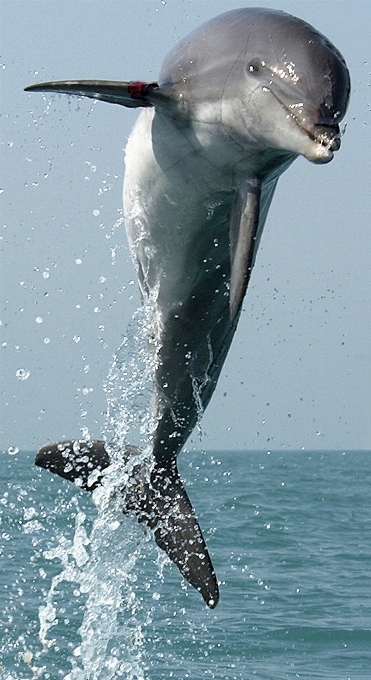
{"x": 299, "y": 371}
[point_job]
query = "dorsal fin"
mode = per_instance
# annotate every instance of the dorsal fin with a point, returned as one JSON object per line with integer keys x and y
{"x": 132, "y": 93}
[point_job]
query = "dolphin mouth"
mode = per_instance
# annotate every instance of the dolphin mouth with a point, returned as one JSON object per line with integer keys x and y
{"x": 326, "y": 136}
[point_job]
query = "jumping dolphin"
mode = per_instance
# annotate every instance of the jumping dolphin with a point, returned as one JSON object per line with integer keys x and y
{"x": 236, "y": 102}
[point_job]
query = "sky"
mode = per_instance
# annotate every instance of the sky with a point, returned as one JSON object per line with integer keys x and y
{"x": 298, "y": 374}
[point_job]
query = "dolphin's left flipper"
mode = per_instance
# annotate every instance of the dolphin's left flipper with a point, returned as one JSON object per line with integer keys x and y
{"x": 243, "y": 230}
{"x": 162, "y": 504}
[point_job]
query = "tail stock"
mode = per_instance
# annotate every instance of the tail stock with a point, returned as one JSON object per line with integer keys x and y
{"x": 161, "y": 503}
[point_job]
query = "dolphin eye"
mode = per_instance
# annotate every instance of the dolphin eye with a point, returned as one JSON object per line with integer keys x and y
{"x": 254, "y": 66}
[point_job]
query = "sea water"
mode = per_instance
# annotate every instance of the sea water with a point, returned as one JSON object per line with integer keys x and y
{"x": 290, "y": 538}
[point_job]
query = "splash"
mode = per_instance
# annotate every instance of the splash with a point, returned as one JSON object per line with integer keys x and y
{"x": 131, "y": 414}
{"x": 103, "y": 564}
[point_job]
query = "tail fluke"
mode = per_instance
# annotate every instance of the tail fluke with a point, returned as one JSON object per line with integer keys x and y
{"x": 160, "y": 502}
{"x": 167, "y": 510}
{"x": 78, "y": 461}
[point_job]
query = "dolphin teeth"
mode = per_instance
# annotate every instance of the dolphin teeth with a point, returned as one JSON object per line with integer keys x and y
{"x": 325, "y": 138}
{"x": 333, "y": 143}
{"x": 328, "y": 136}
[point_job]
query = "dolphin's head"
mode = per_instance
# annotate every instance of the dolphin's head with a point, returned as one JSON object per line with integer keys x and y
{"x": 284, "y": 85}
{"x": 252, "y": 78}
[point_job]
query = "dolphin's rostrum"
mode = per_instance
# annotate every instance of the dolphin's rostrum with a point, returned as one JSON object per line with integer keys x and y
{"x": 236, "y": 102}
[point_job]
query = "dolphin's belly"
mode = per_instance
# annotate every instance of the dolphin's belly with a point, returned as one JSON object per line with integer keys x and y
{"x": 178, "y": 204}
{"x": 177, "y": 211}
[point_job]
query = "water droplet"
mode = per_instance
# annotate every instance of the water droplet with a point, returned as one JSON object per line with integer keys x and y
{"x": 29, "y": 513}
{"x": 27, "y": 657}
{"x": 96, "y": 213}
{"x": 22, "y": 374}
{"x": 13, "y": 450}
{"x": 78, "y": 260}
{"x": 39, "y": 319}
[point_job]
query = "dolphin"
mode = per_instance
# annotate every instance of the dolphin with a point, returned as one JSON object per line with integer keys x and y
{"x": 236, "y": 102}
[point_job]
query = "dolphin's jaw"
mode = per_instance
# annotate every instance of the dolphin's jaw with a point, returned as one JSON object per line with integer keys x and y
{"x": 295, "y": 130}
{"x": 325, "y": 144}
{"x": 324, "y": 139}
{"x": 322, "y": 145}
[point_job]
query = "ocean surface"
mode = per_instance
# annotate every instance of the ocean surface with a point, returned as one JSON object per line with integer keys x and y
{"x": 87, "y": 594}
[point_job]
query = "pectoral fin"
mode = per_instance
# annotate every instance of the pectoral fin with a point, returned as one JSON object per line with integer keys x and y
{"x": 244, "y": 225}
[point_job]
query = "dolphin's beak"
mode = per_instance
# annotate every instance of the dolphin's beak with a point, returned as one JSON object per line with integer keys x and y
{"x": 131, "y": 94}
{"x": 326, "y": 141}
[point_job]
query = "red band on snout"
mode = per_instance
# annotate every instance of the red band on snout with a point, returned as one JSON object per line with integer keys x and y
{"x": 137, "y": 89}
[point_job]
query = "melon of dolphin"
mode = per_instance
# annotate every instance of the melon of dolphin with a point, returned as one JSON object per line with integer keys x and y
{"x": 236, "y": 102}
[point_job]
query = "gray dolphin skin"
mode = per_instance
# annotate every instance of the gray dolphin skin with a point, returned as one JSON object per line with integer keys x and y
{"x": 236, "y": 102}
